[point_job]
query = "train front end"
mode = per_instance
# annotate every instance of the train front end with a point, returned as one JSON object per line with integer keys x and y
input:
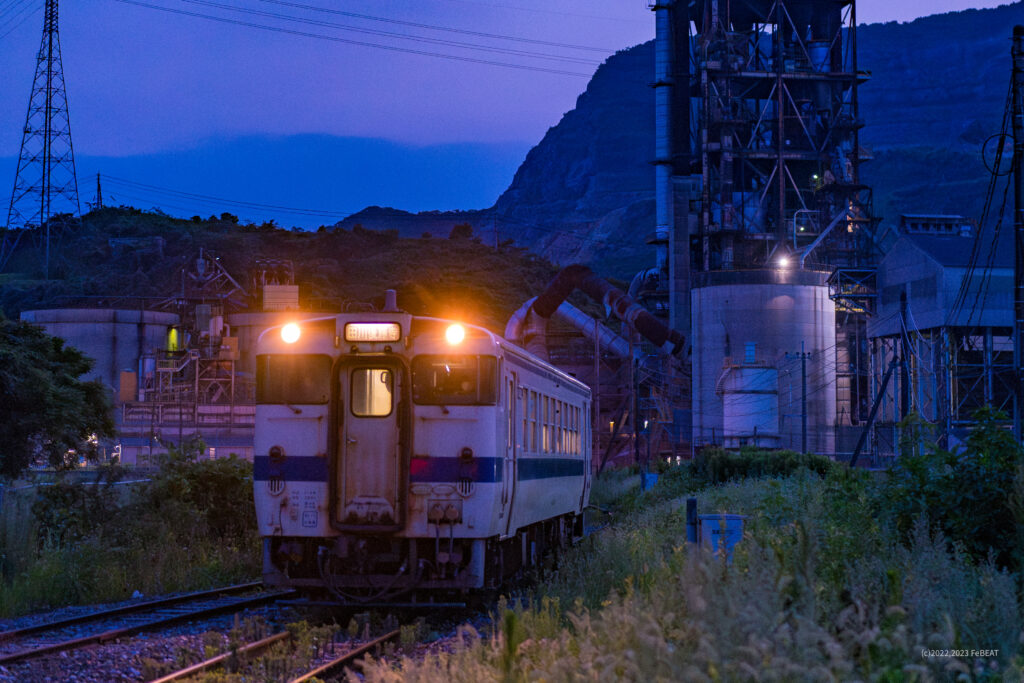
{"x": 368, "y": 482}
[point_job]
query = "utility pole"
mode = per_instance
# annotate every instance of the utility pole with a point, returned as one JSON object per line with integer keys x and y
{"x": 803, "y": 356}
{"x": 904, "y": 365}
{"x": 1018, "y": 230}
{"x": 99, "y": 192}
{"x": 45, "y": 195}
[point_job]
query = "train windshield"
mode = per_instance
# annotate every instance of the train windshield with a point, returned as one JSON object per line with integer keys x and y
{"x": 293, "y": 378}
{"x": 455, "y": 380}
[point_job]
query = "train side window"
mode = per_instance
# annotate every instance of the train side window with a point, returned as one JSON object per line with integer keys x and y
{"x": 533, "y": 421}
{"x": 372, "y": 392}
{"x": 576, "y": 430}
{"x": 550, "y": 424}
{"x": 573, "y": 430}
{"x": 568, "y": 429}
{"x": 545, "y": 436}
{"x": 303, "y": 378}
{"x": 576, "y": 427}
{"x": 559, "y": 446}
{"x": 455, "y": 380}
{"x": 525, "y": 408}
{"x": 563, "y": 445}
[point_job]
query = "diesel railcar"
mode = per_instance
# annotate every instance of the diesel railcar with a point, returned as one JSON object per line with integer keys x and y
{"x": 400, "y": 457}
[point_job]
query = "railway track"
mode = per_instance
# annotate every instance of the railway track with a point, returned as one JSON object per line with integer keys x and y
{"x": 326, "y": 671}
{"x": 108, "y": 625}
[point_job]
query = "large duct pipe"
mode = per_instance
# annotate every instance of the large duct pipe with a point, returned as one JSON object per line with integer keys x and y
{"x": 520, "y": 329}
{"x": 615, "y": 302}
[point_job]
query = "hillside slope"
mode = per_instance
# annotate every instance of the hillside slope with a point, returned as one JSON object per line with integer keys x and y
{"x": 119, "y": 255}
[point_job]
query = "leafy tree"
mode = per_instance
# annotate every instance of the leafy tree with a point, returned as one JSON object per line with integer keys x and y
{"x": 47, "y": 410}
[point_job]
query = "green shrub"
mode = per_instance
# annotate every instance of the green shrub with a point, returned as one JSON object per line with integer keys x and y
{"x": 967, "y": 493}
{"x": 717, "y": 465}
{"x": 65, "y": 512}
{"x": 218, "y": 491}
{"x": 192, "y": 525}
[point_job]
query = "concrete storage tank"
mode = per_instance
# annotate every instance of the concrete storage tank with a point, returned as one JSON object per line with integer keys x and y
{"x": 780, "y": 312}
{"x": 114, "y": 338}
{"x": 750, "y": 405}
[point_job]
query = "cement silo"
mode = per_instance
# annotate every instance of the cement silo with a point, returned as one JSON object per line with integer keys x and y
{"x": 116, "y": 339}
{"x": 749, "y": 331}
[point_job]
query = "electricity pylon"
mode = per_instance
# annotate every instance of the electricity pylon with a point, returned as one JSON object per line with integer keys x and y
{"x": 45, "y": 198}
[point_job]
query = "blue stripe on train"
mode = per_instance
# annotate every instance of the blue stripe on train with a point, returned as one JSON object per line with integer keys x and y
{"x": 301, "y": 468}
{"x": 481, "y": 470}
{"x": 545, "y": 468}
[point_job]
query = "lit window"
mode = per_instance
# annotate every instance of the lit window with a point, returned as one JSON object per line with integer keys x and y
{"x": 372, "y": 390}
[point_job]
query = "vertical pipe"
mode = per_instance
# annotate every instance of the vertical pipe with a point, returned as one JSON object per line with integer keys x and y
{"x": 987, "y": 366}
{"x": 663, "y": 93}
{"x": 803, "y": 398}
{"x": 904, "y": 368}
{"x": 597, "y": 396}
{"x": 1018, "y": 231}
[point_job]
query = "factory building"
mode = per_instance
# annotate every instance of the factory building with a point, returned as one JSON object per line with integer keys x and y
{"x": 941, "y": 337}
{"x": 183, "y": 367}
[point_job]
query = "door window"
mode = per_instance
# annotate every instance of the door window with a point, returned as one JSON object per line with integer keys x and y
{"x": 372, "y": 392}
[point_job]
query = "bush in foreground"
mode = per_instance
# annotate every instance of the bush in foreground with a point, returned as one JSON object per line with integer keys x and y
{"x": 191, "y": 525}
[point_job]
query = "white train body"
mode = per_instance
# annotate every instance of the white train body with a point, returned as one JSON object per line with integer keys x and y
{"x": 392, "y": 459}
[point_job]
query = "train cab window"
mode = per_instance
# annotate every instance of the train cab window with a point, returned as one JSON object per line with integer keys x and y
{"x": 303, "y": 378}
{"x": 455, "y": 380}
{"x": 372, "y": 390}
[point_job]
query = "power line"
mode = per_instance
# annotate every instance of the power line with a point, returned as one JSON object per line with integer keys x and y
{"x": 432, "y": 27}
{"x": 392, "y": 34}
{"x": 10, "y": 6}
{"x": 13, "y": 21}
{"x": 477, "y": 3}
{"x": 348, "y": 41}
{"x": 205, "y": 198}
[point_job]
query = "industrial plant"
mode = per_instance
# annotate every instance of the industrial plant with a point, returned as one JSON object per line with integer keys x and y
{"x": 778, "y": 312}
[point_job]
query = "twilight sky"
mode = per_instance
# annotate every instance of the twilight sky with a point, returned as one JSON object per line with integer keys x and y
{"x": 159, "y": 97}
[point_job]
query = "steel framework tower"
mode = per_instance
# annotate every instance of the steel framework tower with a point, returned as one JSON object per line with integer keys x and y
{"x": 45, "y": 197}
{"x": 776, "y": 133}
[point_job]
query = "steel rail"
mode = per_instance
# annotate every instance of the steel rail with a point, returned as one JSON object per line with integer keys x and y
{"x": 333, "y": 666}
{"x": 220, "y": 659}
{"x": 106, "y": 636}
{"x": 126, "y": 609}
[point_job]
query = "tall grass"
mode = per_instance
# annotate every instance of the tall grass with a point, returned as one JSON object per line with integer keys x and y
{"x": 190, "y": 526}
{"x": 817, "y": 590}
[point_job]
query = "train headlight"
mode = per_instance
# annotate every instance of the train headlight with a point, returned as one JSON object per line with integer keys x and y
{"x": 455, "y": 334}
{"x": 290, "y": 333}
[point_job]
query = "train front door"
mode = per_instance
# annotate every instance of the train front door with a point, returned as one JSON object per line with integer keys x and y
{"x": 369, "y": 445}
{"x": 510, "y": 400}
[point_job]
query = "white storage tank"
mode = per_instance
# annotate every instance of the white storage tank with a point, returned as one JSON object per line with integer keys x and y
{"x": 114, "y": 338}
{"x": 781, "y": 312}
{"x": 750, "y": 406}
